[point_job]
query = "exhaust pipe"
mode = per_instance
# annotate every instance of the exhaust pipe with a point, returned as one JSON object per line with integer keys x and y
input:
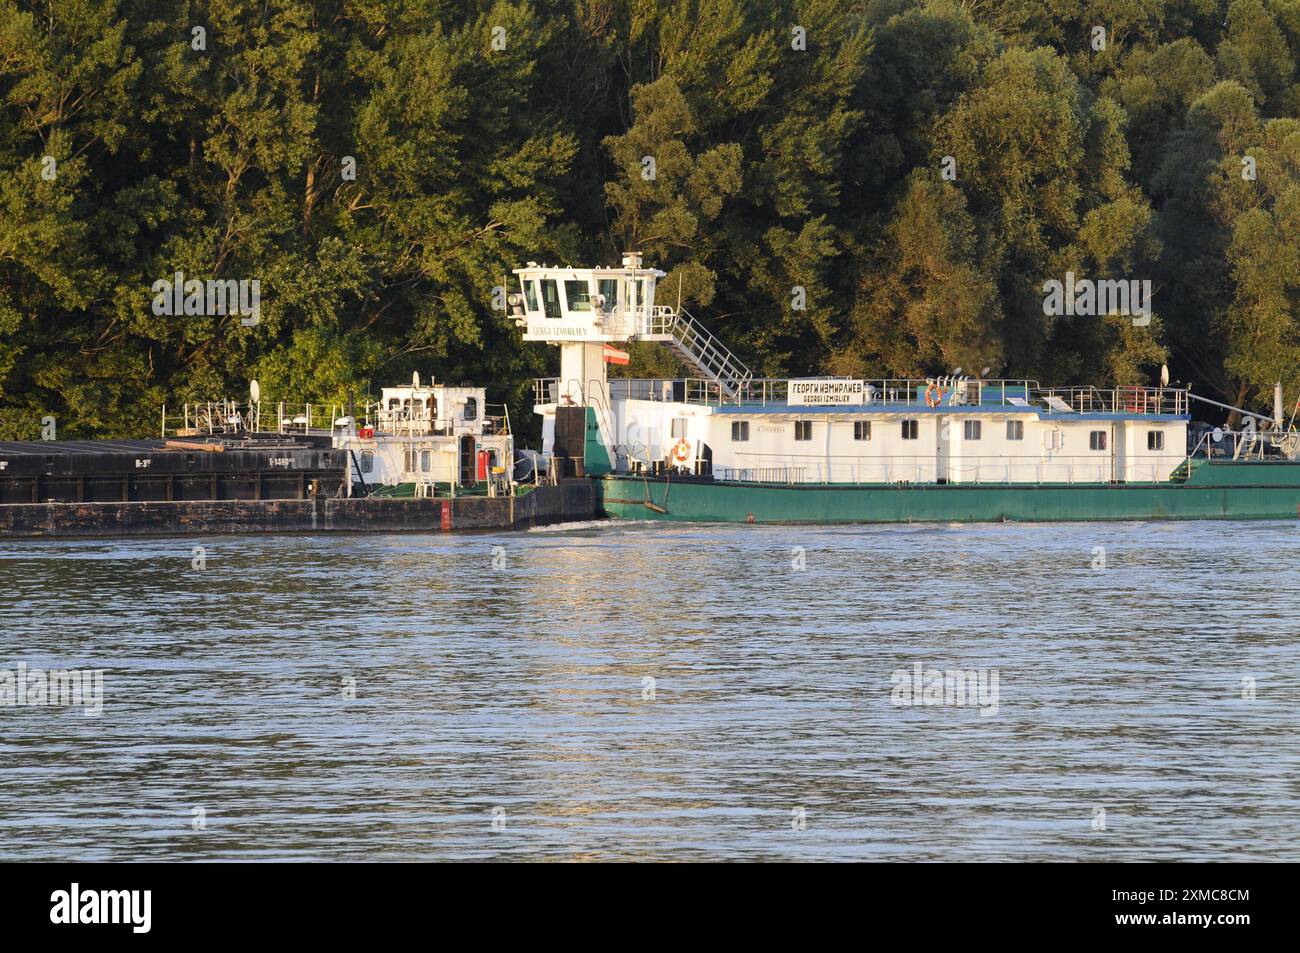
{"x": 1277, "y": 406}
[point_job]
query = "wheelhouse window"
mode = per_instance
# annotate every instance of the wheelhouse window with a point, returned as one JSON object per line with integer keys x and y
{"x": 803, "y": 430}
{"x": 1097, "y": 440}
{"x": 1015, "y": 430}
{"x": 471, "y": 408}
{"x": 609, "y": 290}
{"x": 862, "y": 430}
{"x": 550, "y": 298}
{"x": 530, "y": 295}
{"x": 909, "y": 429}
{"x": 577, "y": 296}
{"x": 739, "y": 431}
{"x": 972, "y": 429}
{"x": 1155, "y": 439}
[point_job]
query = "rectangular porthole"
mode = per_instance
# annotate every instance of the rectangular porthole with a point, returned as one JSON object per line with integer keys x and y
{"x": 803, "y": 430}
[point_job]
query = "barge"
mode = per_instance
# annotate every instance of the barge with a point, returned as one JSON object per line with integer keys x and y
{"x": 424, "y": 458}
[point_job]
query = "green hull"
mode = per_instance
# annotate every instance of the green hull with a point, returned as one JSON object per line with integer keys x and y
{"x": 1264, "y": 490}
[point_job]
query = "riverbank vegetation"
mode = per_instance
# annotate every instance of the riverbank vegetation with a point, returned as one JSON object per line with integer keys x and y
{"x": 909, "y": 172}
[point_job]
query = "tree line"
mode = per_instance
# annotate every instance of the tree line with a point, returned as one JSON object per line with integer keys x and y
{"x": 870, "y": 188}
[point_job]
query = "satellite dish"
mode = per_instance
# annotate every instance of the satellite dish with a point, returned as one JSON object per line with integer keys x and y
{"x": 415, "y": 379}
{"x": 1164, "y": 375}
{"x": 254, "y": 391}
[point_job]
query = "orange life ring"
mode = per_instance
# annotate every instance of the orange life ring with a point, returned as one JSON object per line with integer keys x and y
{"x": 934, "y": 394}
{"x": 682, "y": 450}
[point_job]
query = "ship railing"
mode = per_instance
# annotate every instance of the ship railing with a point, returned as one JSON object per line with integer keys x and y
{"x": 1061, "y": 470}
{"x": 658, "y": 319}
{"x": 761, "y": 474}
{"x": 408, "y": 423}
{"x": 690, "y": 390}
{"x": 1246, "y": 444}
{"x": 762, "y": 392}
{"x": 229, "y": 417}
{"x": 898, "y": 469}
{"x": 496, "y": 423}
{"x": 1129, "y": 399}
{"x": 546, "y": 390}
{"x": 899, "y": 392}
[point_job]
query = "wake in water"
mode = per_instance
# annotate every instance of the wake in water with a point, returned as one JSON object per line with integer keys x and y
{"x": 588, "y": 524}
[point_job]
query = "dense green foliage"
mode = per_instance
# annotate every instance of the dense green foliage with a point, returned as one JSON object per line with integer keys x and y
{"x": 478, "y": 148}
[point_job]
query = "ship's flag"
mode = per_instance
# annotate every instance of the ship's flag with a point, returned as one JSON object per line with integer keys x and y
{"x": 614, "y": 356}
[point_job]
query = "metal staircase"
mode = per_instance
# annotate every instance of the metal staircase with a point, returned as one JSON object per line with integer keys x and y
{"x": 697, "y": 347}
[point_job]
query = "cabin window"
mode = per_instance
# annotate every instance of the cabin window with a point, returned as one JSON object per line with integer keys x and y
{"x": 471, "y": 408}
{"x": 394, "y": 403}
{"x": 679, "y": 427}
{"x": 578, "y": 295}
{"x": 803, "y": 430}
{"x": 909, "y": 429}
{"x": 972, "y": 429}
{"x": 740, "y": 430}
{"x": 424, "y": 461}
{"x": 1155, "y": 439}
{"x": 367, "y": 461}
{"x": 1097, "y": 440}
{"x": 1015, "y": 430}
{"x": 550, "y": 298}
{"x": 530, "y": 295}
{"x": 408, "y": 461}
{"x": 862, "y": 430}
{"x": 609, "y": 289}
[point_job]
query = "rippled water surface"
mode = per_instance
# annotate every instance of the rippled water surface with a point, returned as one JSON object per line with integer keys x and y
{"x": 503, "y": 709}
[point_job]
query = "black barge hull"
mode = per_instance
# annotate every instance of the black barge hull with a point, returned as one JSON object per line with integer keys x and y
{"x": 125, "y": 471}
{"x": 569, "y": 501}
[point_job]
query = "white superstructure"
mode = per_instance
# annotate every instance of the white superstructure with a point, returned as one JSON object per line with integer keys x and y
{"x": 826, "y": 430}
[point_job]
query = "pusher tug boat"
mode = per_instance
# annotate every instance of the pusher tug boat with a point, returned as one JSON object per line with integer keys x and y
{"x": 725, "y": 446}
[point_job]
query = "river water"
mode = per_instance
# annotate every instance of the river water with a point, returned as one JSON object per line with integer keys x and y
{"x": 660, "y": 692}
